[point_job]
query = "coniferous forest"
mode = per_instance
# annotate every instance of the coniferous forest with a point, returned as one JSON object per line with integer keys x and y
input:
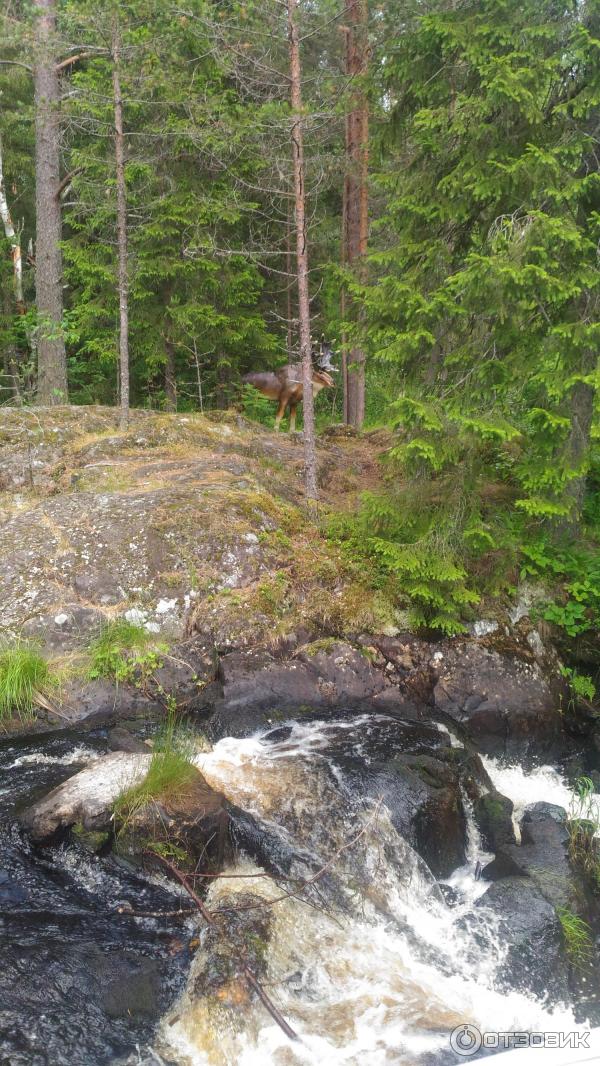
{"x": 444, "y": 157}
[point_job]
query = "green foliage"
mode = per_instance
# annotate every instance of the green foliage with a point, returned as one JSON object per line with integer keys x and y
{"x": 25, "y": 677}
{"x": 581, "y": 684}
{"x": 575, "y": 570}
{"x": 584, "y": 827}
{"x": 257, "y": 407}
{"x": 124, "y": 651}
{"x": 485, "y": 288}
{"x": 577, "y": 936}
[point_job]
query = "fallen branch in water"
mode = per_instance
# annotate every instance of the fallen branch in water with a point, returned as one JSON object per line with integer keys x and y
{"x": 309, "y": 882}
{"x": 251, "y": 979}
{"x": 129, "y": 912}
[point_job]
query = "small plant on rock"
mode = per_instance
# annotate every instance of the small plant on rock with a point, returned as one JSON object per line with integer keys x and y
{"x": 25, "y": 679}
{"x": 170, "y": 774}
{"x": 584, "y": 827}
{"x": 577, "y": 936}
{"x": 124, "y": 651}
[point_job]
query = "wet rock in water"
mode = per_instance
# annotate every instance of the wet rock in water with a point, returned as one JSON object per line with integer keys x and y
{"x": 219, "y": 998}
{"x": 93, "y": 840}
{"x": 429, "y": 788}
{"x": 241, "y": 930}
{"x": 505, "y": 705}
{"x": 530, "y": 929}
{"x": 257, "y": 688}
{"x": 412, "y": 767}
{"x": 87, "y": 797}
{"x": 192, "y": 823}
{"x": 192, "y": 817}
{"x": 542, "y": 855}
{"x": 127, "y": 985}
{"x": 120, "y": 739}
{"x": 494, "y": 816}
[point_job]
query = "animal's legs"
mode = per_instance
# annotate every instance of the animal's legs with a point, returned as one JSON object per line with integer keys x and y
{"x": 280, "y": 413}
{"x": 293, "y": 418}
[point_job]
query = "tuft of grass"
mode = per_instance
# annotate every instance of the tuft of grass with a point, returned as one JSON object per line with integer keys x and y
{"x": 25, "y": 677}
{"x": 120, "y": 648}
{"x": 170, "y": 774}
{"x": 584, "y": 828}
{"x": 577, "y": 936}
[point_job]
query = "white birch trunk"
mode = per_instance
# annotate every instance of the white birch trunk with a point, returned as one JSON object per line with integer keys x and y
{"x": 11, "y": 235}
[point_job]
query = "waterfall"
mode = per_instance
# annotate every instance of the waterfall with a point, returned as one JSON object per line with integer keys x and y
{"x": 382, "y": 979}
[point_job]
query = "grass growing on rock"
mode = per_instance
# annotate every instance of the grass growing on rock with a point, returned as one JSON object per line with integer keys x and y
{"x": 171, "y": 773}
{"x": 122, "y": 648}
{"x": 577, "y": 936}
{"x": 25, "y": 678}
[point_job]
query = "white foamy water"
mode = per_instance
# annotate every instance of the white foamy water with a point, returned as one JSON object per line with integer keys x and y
{"x": 544, "y": 784}
{"x": 466, "y": 879}
{"x": 79, "y": 755}
{"x": 384, "y": 984}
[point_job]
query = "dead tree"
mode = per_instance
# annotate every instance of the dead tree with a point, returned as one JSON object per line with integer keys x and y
{"x": 52, "y": 361}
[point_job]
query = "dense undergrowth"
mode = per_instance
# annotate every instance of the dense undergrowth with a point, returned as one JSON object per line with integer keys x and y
{"x": 451, "y": 534}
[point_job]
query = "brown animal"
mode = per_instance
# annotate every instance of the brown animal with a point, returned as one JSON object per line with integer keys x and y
{"x": 285, "y": 386}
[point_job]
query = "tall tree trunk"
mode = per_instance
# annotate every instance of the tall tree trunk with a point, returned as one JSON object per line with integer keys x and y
{"x": 344, "y": 339}
{"x": 52, "y": 361}
{"x": 170, "y": 379}
{"x": 356, "y": 191}
{"x": 122, "y": 276}
{"x": 297, "y": 137}
{"x": 288, "y": 269}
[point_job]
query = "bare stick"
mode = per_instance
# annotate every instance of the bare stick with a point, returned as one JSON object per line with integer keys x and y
{"x": 249, "y": 976}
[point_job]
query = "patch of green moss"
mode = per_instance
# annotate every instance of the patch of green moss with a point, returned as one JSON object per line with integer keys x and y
{"x": 91, "y": 840}
{"x": 326, "y": 644}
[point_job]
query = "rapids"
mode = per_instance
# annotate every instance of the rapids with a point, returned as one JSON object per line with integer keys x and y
{"x": 385, "y": 978}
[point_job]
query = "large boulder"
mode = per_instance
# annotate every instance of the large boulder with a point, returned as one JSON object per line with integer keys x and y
{"x": 259, "y": 689}
{"x": 542, "y": 855}
{"x": 192, "y": 818}
{"x": 505, "y": 704}
{"x": 529, "y": 929}
{"x": 412, "y": 767}
{"x": 88, "y": 797}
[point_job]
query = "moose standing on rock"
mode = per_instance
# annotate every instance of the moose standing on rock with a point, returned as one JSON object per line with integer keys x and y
{"x": 285, "y": 385}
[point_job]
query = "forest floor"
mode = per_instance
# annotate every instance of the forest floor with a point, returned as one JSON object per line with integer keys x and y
{"x": 180, "y": 516}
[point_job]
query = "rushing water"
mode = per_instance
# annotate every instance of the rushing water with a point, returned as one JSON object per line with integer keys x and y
{"x": 80, "y": 983}
{"x": 372, "y": 968}
{"x": 377, "y": 985}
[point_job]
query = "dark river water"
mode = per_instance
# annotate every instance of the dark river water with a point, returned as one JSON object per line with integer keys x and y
{"x": 79, "y": 982}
